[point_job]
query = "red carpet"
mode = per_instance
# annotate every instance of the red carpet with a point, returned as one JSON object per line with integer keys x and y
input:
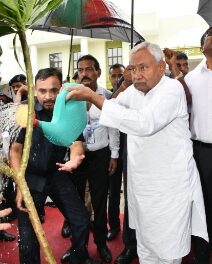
{"x": 52, "y": 227}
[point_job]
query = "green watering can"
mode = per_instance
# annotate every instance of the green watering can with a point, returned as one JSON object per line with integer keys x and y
{"x": 68, "y": 121}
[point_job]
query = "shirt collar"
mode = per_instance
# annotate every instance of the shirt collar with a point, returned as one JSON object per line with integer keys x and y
{"x": 99, "y": 90}
{"x": 38, "y": 106}
{"x": 152, "y": 91}
{"x": 203, "y": 66}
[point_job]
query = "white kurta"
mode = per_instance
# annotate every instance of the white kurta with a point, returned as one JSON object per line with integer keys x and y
{"x": 164, "y": 191}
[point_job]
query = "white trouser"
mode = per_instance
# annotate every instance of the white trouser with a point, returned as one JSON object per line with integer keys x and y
{"x": 148, "y": 257}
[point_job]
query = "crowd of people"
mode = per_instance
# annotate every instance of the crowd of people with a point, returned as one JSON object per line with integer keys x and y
{"x": 153, "y": 131}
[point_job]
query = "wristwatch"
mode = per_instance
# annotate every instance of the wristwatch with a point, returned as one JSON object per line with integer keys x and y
{"x": 179, "y": 76}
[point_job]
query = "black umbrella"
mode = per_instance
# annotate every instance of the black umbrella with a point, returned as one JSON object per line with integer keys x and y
{"x": 205, "y": 10}
{"x": 89, "y": 18}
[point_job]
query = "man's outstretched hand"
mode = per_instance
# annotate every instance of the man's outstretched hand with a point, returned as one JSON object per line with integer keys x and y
{"x": 86, "y": 94}
{"x": 71, "y": 165}
{"x": 79, "y": 93}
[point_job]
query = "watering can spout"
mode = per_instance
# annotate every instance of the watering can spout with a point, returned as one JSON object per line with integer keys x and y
{"x": 68, "y": 121}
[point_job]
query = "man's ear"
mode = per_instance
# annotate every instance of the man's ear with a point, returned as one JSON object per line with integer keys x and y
{"x": 99, "y": 72}
{"x": 162, "y": 67}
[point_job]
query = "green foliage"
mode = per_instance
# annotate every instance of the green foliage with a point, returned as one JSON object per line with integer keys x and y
{"x": 19, "y": 15}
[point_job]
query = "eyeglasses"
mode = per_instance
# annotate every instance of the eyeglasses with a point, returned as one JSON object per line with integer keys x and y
{"x": 141, "y": 68}
{"x": 114, "y": 75}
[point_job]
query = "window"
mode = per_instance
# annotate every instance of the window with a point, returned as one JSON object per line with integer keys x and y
{"x": 76, "y": 56}
{"x": 114, "y": 56}
{"x": 55, "y": 60}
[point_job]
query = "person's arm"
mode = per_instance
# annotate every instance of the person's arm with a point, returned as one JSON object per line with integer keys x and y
{"x": 124, "y": 85}
{"x": 76, "y": 157}
{"x": 170, "y": 58}
{"x": 15, "y": 155}
{"x": 22, "y": 91}
{"x": 85, "y": 93}
{"x": 126, "y": 81}
{"x": 187, "y": 92}
{"x": 114, "y": 143}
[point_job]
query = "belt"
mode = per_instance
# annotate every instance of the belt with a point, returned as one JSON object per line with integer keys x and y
{"x": 95, "y": 152}
{"x": 202, "y": 144}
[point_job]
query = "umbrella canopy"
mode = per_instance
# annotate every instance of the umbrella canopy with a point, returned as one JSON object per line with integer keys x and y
{"x": 205, "y": 10}
{"x": 89, "y": 18}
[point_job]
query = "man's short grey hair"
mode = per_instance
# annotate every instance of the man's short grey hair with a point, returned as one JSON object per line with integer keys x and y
{"x": 154, "y": 49}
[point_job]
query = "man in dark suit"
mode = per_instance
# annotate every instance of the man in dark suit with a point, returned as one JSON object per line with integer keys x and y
{"x": 44, "y": 179}
{"x": 115, "y": 180}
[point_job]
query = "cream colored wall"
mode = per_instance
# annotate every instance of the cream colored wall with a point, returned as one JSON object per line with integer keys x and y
{"x": 97, "y": 49}
{"x": 43, "y": 57}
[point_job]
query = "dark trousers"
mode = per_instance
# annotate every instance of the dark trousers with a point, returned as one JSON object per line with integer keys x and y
{"x": 94, "y": 168}
{"x": 62, "y": 191}
{"x": 114, "y": 196}
{"x": 9, "y": 195}
{"x": 202, "y": 155}
{"x": 128, "y": 235}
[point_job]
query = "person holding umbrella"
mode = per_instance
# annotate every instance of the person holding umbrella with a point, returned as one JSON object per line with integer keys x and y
{"x": 101, "y": 153}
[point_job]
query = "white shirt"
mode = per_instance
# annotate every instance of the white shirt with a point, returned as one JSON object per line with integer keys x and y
{"x": 164, "y": 191}
{"x": 199, "y": 82}
{"x": 103, "y": 135}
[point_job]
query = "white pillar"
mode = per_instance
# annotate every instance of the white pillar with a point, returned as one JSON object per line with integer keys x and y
{"x": 84, "y": 46}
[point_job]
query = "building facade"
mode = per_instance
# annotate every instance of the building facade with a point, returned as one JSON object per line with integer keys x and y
{"x": 52, "y": 49}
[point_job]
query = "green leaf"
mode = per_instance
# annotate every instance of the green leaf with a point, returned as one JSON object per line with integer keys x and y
{"x": 15, "y": 53}
{"x": 19, "y": 15}
{"x": 10, "y": 13}
{"x": 5, "y": 29}
{"x": 10, "y": 4}
{"x": 28, "y": 7}
{"x": 39, "y": 13}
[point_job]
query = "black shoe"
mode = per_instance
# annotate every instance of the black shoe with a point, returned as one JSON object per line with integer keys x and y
{"x": 10, "y": 218}
{"x": 51, "y": 204}
{"x": 92, "y": 261}
{"x": 91, "y": 224}
{"x": 66, "y": 257}
{"x": 66, "y": 229}
{"x": 4, "y": 236}
{"x": 126, "y": 256}
{"x": 112, "y": 233}
{"x": 42, "y": 219}
{"x": 105, "y": 253}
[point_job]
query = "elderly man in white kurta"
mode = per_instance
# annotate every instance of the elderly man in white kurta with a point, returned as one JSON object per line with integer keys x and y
{"x": 164, "y": 191}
